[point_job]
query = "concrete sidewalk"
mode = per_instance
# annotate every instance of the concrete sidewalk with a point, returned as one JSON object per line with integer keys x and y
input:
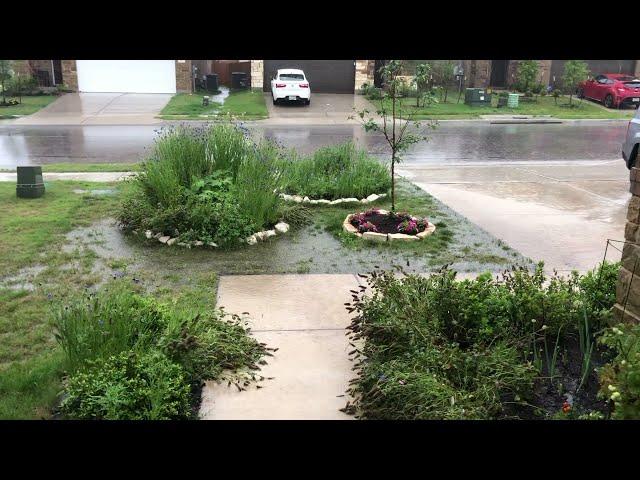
{"x": 305, "y": 318}
{"x": 78, "y": 176}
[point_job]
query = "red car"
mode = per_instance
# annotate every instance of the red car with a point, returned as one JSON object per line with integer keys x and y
{"x": 614, "y": 90}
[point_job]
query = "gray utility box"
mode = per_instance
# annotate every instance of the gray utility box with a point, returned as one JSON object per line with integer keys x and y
{"x": 477, "y": 97}
{"x": 30, "y": 183}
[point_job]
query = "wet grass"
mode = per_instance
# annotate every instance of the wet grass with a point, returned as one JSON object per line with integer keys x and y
{"x": 245, "y": 104}
{"x": 28, "y": 106}
{"x": 546, "y": 105}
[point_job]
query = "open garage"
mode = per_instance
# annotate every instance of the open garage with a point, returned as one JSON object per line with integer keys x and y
{"x": 325, "y": 76}
{"x": 126, "y": 76}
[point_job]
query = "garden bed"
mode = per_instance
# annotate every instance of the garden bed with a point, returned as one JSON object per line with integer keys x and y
{"x": 517, "y": 346}
{"x": 381, "y": 226}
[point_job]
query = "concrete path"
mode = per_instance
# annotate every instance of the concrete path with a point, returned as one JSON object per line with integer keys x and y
{"x": 560, "y": 213}
{"x": 100, "y": 109}
{"x": 78, "y": 176}
{"x": 305, "y": 318}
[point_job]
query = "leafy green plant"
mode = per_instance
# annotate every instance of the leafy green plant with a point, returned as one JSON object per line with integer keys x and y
{"x": 482, "y": 344}
{"x": 128, "y": 386}
{"x": 130, "y": 357}
{"x": 620, "y": 378}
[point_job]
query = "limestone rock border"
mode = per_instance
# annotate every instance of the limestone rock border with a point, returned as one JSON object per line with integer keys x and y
{"x": 385, "y": 237}
{"x": 300, "y": 199}
{"x": 279, "y": 228}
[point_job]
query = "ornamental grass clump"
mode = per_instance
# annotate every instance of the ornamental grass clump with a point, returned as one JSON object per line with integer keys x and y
{"x": 333, "y": 172}
{"x": 211, "y": 184}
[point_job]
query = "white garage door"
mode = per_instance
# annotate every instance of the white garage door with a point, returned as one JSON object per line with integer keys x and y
{"x": 127, "y": 76}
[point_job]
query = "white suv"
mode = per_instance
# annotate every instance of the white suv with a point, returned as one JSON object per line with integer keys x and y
{"x": 630, "y": 145}
{"x": 291, "y": 85}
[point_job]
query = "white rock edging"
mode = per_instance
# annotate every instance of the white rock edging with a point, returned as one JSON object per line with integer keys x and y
{"x": 298, "y": 199}
{"x": 279, "y": 228}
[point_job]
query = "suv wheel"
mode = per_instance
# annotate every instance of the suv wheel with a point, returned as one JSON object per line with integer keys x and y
{"x": 608, "y": 101}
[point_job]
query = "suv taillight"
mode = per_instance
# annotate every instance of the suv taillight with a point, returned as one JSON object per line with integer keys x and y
{"x": 303, "y": 85}
{"x": 281, "y": 85}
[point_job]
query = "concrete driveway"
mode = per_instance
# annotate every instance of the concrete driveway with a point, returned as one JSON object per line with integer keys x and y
{"x": 100, "y": 109}
{"x": 325, "y": 108}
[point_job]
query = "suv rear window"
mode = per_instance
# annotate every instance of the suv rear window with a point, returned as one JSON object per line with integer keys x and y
{"x": 291, "y": 76}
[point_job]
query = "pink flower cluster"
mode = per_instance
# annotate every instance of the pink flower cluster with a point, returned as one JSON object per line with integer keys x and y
{"x": 410, "y": 227}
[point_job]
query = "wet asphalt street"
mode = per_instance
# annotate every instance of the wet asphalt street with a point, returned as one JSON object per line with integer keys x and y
{"x": 450, "y": 143}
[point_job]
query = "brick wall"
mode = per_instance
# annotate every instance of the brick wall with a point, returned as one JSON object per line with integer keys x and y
{"x": 70, "y": 74}
{"x": 184, "y": 80}
{"x": 627, "y": 307}
{"x": 257, "y": 74}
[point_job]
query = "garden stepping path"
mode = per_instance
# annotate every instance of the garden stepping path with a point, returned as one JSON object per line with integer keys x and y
{"x": 304, "y": 317}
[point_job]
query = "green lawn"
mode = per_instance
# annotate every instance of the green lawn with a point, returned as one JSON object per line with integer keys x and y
{"x": 85, "y": 167}
{"x": 543, "y": 106}
{"x": 32, "y": 233}
{"x": 245, "y": 104}
{"x": 28, "y": 106}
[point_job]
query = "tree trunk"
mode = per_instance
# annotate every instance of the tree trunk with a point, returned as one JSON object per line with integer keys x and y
{"x": 393, "y": 181}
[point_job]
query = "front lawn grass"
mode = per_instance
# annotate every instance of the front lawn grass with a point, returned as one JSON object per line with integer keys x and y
{"x": 244, "y": 104}
{"x": 41, "y": 269}
{"x": 28, "y": 106}
{"x": 543, "y": 106}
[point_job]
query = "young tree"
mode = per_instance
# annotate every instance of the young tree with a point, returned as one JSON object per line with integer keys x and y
{"x": 527, "y": 73}
{"x": 421, "y": 80}
{"x": 5, "y": 75}
{"x": 443, "y": 73}
{"x": 394, "y": 120}
{"x": 575, "y": 71}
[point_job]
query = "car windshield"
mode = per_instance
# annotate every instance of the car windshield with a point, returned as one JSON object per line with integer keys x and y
{"x": 291, "y": 76}
{"x": 633, "y": 84}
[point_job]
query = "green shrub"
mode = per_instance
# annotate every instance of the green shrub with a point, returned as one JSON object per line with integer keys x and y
{"x": 337, "y": 171}
{"x": 128, "y": 386}
{"x": 208, "y": 183}
{"x": 374, "y": 93}
{"x": 129, "y": 357}
{"x": 206, "y": 345}
{"x": 620, "y": 378}
{"x": 438, "y": 348}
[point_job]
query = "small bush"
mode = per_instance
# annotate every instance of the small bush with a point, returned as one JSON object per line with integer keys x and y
{"x": 332, "y": 172}
{"x": 128, "y": 386}
{"x": 438, "y": 348}
{"x": 129, "y": 357}
{"x": 620, "y": 379}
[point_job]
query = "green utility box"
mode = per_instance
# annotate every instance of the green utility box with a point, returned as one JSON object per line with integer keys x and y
{"x": 512, "y": 102}
{"x": 30, "y": 183}
{"x": 477, "y": 97}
